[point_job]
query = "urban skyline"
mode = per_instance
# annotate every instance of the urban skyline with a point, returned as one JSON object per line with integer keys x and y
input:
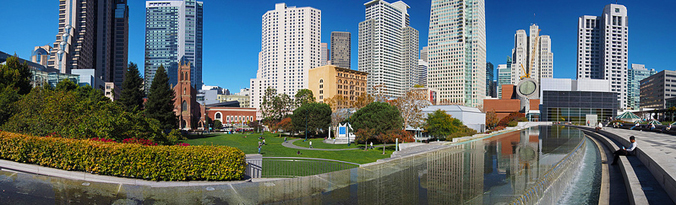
{"x": 559, "y": 19}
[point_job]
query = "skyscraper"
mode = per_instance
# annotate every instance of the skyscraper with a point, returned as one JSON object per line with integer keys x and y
{"x": 173, "y": 34}
{"x": 457, "y": 51}
{"x": 490, "y": 73}
{"x": 388, "y": 48}
{"x": 422, "y": 68}
{"x": 120, "y": 43}
{"x": 325, "y": 54}
{"x": 86, "y": 38}
{"x": 532, "y": 53}
{"x": 602, "y": 48}
{"x": 504, "y": 75}
{"x": 637, "y": 73}
{"x": 423, "y": 54}
{"x": 290, "y": 47}
{"x": 341, "y": 49}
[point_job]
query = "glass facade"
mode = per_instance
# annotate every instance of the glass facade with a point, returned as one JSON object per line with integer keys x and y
{"x": 173, "y": 33}
{"x": 573, "y": 106}
{"x": 637, "y": 73}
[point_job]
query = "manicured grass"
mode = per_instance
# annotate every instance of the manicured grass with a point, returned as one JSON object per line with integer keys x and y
{"x": 274, "y": 148}
{"x": 319, "y": 144}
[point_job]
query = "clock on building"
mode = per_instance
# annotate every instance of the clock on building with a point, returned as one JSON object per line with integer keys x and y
{"x": 527, "y": 87}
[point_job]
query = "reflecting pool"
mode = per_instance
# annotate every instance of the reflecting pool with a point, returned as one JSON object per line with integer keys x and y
{"x": 518, "y": 167}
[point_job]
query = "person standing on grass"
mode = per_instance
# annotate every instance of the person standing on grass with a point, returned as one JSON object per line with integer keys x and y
{"x": 310, "y": 144}
{"x": 284, "y": 139}
{"x": 624, "y": 151}
{"x": 259, "y": 148}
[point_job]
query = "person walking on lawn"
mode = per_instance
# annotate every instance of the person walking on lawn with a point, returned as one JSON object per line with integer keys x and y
{"x": 624, "y": 151}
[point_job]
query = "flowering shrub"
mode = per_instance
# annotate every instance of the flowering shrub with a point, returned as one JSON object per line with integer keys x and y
{"x": 101, "y": 139}
{"x": 159, "y": 163}
{"x": 183, "y": 144}
{"x": 139, "y": 141}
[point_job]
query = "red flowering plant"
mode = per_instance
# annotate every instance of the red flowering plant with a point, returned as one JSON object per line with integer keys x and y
{"x": 183, "y": 144}
{"x": 102, "y": 140}
{"x": 145, "y": 142}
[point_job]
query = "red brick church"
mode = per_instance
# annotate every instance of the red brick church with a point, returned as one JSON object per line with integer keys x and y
{"x": 191, "y": 114}
{"x": 187, "y": 109}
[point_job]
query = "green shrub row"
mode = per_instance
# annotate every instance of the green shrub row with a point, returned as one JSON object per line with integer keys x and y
{"x": 158, "y": 163}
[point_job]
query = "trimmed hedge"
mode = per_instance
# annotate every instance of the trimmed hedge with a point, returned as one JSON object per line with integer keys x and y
{"x": 159, "y": 163}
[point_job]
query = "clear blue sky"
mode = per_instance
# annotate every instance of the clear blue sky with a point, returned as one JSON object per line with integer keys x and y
{"x": 232, "y": 30}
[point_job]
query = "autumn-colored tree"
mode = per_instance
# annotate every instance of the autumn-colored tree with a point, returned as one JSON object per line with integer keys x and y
{"x": 363, "y": 100}
{"x": 410, "y": 107}
{"x": 366, "y": 135}
{"x": 379, "y": 93}
{"x": 391, "y": 136}
{"x": 491, "y": 119}
{"x": 337, "y": 102}
{"x": 286, "y": 125}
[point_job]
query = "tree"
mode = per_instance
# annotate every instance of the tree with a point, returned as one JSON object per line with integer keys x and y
{"x": 304, "y": 96}
{"x": 267, "y": 106}
{"x": 379, "y": 93}
{"x": 8, "y": 96}
{"x": 275, "y": 107}
{"x": 440, "y": 124}
{"x": 443, "y": 126}
{"x": 379, "y": 116}
{"x": 15, "y": 75}
{"x": 391, "y": 136}
{"x": 410, "y": 106}
{"x": 492, "y": 119}
{"x": 363, "y": 100}
{"x": 160, "y": 105}
{"x": 83, "y": 113}
{"x": 218, "y": 125}
{"x": 66, "y": 85}
{"x": 285, "y": 124}
{"x": 255, "y": 125}
{"x": 132, "y": 89}
{"x": 313, "y": 116}
{"x": 337, "y": 102}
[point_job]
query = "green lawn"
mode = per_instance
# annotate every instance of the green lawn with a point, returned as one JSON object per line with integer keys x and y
{"x": 319, "y": 143}
{"x": 274, "y": 148}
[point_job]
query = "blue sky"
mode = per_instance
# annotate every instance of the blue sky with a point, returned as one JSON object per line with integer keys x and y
{"x": 232, "y": 30}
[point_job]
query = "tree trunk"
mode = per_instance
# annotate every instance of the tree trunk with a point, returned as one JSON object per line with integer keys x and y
{"x": 367, "y": 145}
{"x": 384, "y": 147}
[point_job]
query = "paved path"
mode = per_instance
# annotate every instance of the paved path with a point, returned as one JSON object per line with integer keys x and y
{"x": 290, "y": 144}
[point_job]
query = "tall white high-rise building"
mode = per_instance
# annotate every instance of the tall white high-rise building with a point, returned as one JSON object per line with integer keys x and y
{"x": 290, "y": 47}
{"x": 532, "y": 52}
{"x": 388, "y": 48}
{"x": 457, "y": 51}
{"x": 603, "y": 47}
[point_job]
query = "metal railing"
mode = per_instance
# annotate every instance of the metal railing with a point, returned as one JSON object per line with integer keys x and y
{"x": 289, "y": 167}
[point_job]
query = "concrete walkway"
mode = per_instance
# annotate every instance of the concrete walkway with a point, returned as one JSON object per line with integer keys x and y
{"x": 655, "y": 163}
{"x": 289, "y": 144}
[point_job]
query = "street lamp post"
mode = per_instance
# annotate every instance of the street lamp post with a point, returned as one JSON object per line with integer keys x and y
{"x": 306, "y": 116}
{"x": 349, "y": 114}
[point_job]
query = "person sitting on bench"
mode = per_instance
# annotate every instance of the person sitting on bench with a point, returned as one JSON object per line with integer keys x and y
{"x": 599, "y": 127}
{"x": 623, "y": 151}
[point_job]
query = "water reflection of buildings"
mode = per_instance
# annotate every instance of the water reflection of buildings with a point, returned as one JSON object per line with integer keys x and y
{"x": 456, "y": 174}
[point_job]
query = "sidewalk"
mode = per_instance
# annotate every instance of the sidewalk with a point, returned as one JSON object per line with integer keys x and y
{"x": 289, "y": 144}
